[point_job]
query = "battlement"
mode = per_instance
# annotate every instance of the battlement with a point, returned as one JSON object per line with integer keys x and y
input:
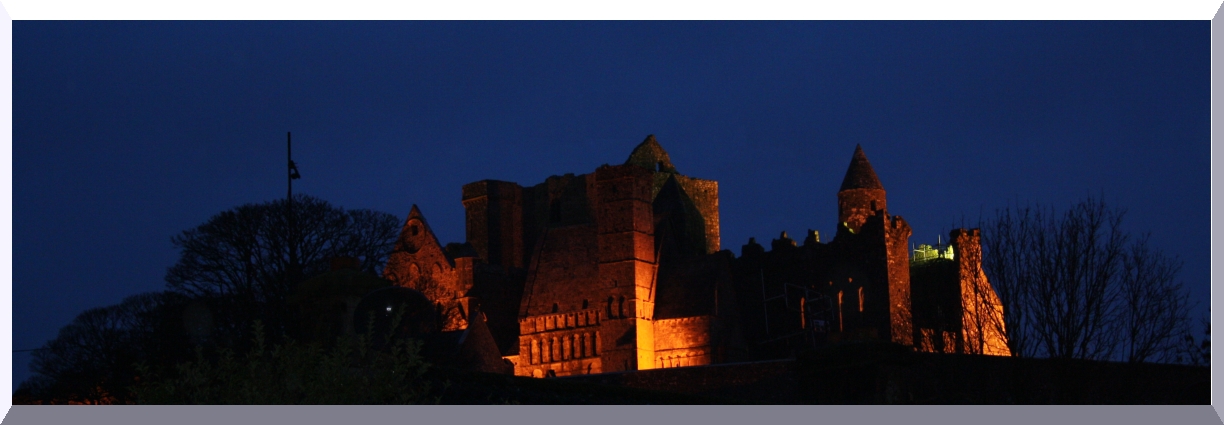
{"x": 549, "y": 322}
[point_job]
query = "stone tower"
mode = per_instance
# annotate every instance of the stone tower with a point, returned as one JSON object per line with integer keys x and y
{"x": 861, "y": 194}
{"x": 982, "y": 326}
{"x": 873, "y": 247}
{"x": 604, "y": 289}
{"x": 627, "y": 265}
{"x": 494, "y": 221}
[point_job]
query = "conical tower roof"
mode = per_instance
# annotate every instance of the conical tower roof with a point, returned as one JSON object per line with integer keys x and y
{"x": 860, "y": 175}
{"x": 650, "y": 155}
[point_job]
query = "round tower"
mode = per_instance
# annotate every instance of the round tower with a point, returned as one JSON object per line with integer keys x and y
{"x": 861, "y": 194}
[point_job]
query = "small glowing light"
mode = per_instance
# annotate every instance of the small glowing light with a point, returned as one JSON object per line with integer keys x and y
{"x": 388, "y": 309}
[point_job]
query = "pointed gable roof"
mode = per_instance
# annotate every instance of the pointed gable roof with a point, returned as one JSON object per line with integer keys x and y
{"x": 411, "y": 240}
{"x": 860, "y": 175}
{"x": 416, "y": 212}
{"x": 651, "y": 156}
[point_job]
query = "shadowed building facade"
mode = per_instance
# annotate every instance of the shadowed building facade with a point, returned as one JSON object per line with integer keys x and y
{"x": 621, "y": 269}
{"x": 858, "y": 286}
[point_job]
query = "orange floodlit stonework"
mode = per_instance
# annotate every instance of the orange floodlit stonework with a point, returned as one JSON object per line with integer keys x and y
{"x": 621, "y": 269}
{"x": 982, "y": 319}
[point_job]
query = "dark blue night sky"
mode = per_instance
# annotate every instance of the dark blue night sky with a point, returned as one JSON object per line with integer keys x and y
{"x": 127, "y": 133}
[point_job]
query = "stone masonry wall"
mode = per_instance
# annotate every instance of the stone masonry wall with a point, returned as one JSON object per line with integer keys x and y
{"x": 704, "y": 194}
{"x": 983, "y": 326}
{"x": 419, "y": 262}
{"x": 560, "y": 344}
{"x": 684, "y": 341}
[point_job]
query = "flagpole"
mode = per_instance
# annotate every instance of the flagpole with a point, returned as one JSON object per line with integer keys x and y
{"x": 289, "y": 147}
{"x": 293, "y": 260}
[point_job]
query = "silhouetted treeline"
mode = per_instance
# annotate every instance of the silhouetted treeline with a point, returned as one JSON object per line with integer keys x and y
{"x": 1075, "y": 285}
{"x": 94, "y": 358}
{"x": 238, "y": 268}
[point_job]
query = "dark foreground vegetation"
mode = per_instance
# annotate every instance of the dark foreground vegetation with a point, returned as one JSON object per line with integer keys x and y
{"x": 862, "y": 373}
{"x": 351, "y": 371}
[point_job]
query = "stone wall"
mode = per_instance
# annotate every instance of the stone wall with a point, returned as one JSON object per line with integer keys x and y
{"x": 899, "y": 309}
{"x": 771, "y": 382}
{"x": 564, "y": 274}
{"x": 494, "y": 221}
{"x": 885, "y": 374}
{"x": 704, "y": 195}
{"x": 420, "y": 263}
{"x": 559, "y": 344}
{"x": 684, "y": 341}
{"x": 983, "y": 326}
{"x": 855, "y": 206}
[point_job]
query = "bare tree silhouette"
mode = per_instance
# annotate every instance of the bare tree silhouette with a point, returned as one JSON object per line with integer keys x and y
{"x": 240, "y": 259}
{"x": 1073, "y": 284}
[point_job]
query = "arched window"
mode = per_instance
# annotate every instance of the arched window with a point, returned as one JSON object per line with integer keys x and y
{"x": 535, "y": 352}
{"x": 860, "y": 297}
{"x": 803, "y": 313}
{"x": 584, "y": 304}
{"x": 841, "y": 325}
{"x": 621, "y": 309}
{"x": 556, "y": 308}
{"x": 609, "y": 307}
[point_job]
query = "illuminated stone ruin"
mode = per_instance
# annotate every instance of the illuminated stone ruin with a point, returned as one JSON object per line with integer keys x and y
{"x": 621, "y": 269}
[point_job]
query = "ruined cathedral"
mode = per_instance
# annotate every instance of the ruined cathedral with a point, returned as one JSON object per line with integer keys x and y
{"x": 622, "y": 269}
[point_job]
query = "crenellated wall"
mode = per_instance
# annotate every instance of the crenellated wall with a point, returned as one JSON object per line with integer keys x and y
{"x": 561, "y": 344}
